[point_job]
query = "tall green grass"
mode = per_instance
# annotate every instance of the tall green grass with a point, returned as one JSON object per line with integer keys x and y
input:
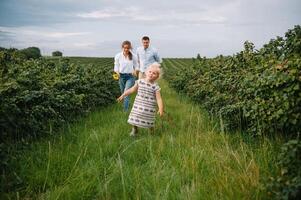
{"x": 187, "y": 158}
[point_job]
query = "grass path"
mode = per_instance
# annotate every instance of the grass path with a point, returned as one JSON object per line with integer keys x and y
{"x": 186, "y": 159}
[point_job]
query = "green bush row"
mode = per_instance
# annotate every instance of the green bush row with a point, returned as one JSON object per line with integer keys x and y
{"x": 255, "y": 90}
{"x": 37, "y": 96}
{"x": 286, "y": 184}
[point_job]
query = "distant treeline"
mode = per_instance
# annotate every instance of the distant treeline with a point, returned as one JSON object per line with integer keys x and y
{"x": 29, "y": 53}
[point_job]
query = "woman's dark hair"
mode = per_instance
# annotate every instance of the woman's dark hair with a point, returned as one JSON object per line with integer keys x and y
{"x": 130, "y": 46}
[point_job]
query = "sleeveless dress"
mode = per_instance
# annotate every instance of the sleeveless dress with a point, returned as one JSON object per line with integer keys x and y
{"x": 145, "y": 104}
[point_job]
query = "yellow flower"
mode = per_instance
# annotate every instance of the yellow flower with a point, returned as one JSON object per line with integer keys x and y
{"x": 115, "y": 76}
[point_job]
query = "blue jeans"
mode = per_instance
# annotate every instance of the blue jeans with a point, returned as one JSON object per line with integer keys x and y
{"x": 126, "y": 81}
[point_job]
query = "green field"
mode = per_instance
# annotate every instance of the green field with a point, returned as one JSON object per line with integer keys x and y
{"x": 188, "y": 157}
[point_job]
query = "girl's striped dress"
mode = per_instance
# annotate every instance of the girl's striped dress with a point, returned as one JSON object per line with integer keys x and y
{"x": 145, "y": 104}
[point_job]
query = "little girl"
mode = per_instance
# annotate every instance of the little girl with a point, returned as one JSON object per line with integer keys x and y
{"x": 148, "y": 97}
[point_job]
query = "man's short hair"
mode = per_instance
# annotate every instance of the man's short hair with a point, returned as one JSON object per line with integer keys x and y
{"x": 145, "y": 38}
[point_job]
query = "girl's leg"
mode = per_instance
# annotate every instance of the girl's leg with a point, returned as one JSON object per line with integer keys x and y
{"x": 134, "y": 131}
{"x": 152, "y": 130}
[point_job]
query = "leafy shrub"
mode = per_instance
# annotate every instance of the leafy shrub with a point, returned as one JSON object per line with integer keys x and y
{"x": 37, "y": 96}
{"x": 31, "y": 52}
{"x": 287, "y": 184}
{"x": 57, "y": 53}
{"x": 255, "y": 90}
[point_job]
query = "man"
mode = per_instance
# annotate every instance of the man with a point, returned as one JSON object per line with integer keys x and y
{"x": 146, "y": 56}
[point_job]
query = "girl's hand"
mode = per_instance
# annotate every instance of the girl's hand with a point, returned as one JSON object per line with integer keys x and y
{"x": 119, "y": 99}
{"x": 160, "y": 112}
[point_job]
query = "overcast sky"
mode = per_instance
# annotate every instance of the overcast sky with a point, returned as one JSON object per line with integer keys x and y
{"x": 177, "y": 28}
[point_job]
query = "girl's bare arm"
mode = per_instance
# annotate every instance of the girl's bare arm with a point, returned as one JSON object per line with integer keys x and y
{"x": 160, "y": 103}
{"x": 128, "y": 92}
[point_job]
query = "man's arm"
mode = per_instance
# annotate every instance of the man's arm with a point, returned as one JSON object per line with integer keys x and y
{"x": 135, "y": 65}
{"x": 138, "y": 60}
{"x": 157, "y": 57}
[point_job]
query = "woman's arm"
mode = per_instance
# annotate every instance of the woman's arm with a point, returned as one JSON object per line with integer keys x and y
{"x": 160, "y": 103}
{"x": 135, "y": 65}
{"x": 128, "y": 92}
{"x": 116, "y": 64}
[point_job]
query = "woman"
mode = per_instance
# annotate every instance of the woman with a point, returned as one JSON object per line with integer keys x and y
{"x": 125, "y": 65}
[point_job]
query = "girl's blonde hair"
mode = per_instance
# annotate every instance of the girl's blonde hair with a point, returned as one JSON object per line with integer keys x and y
{"x": 157, "y": 67}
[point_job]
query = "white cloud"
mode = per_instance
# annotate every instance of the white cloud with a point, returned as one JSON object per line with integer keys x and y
{"x": 109, "y": 12}
{"x": 84, "y": 44}
{"x": 136, "y": 14}
{"x": 100, "y": 14}
{"x": 62, "y": 34}
{"x": 34, "y": 31}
